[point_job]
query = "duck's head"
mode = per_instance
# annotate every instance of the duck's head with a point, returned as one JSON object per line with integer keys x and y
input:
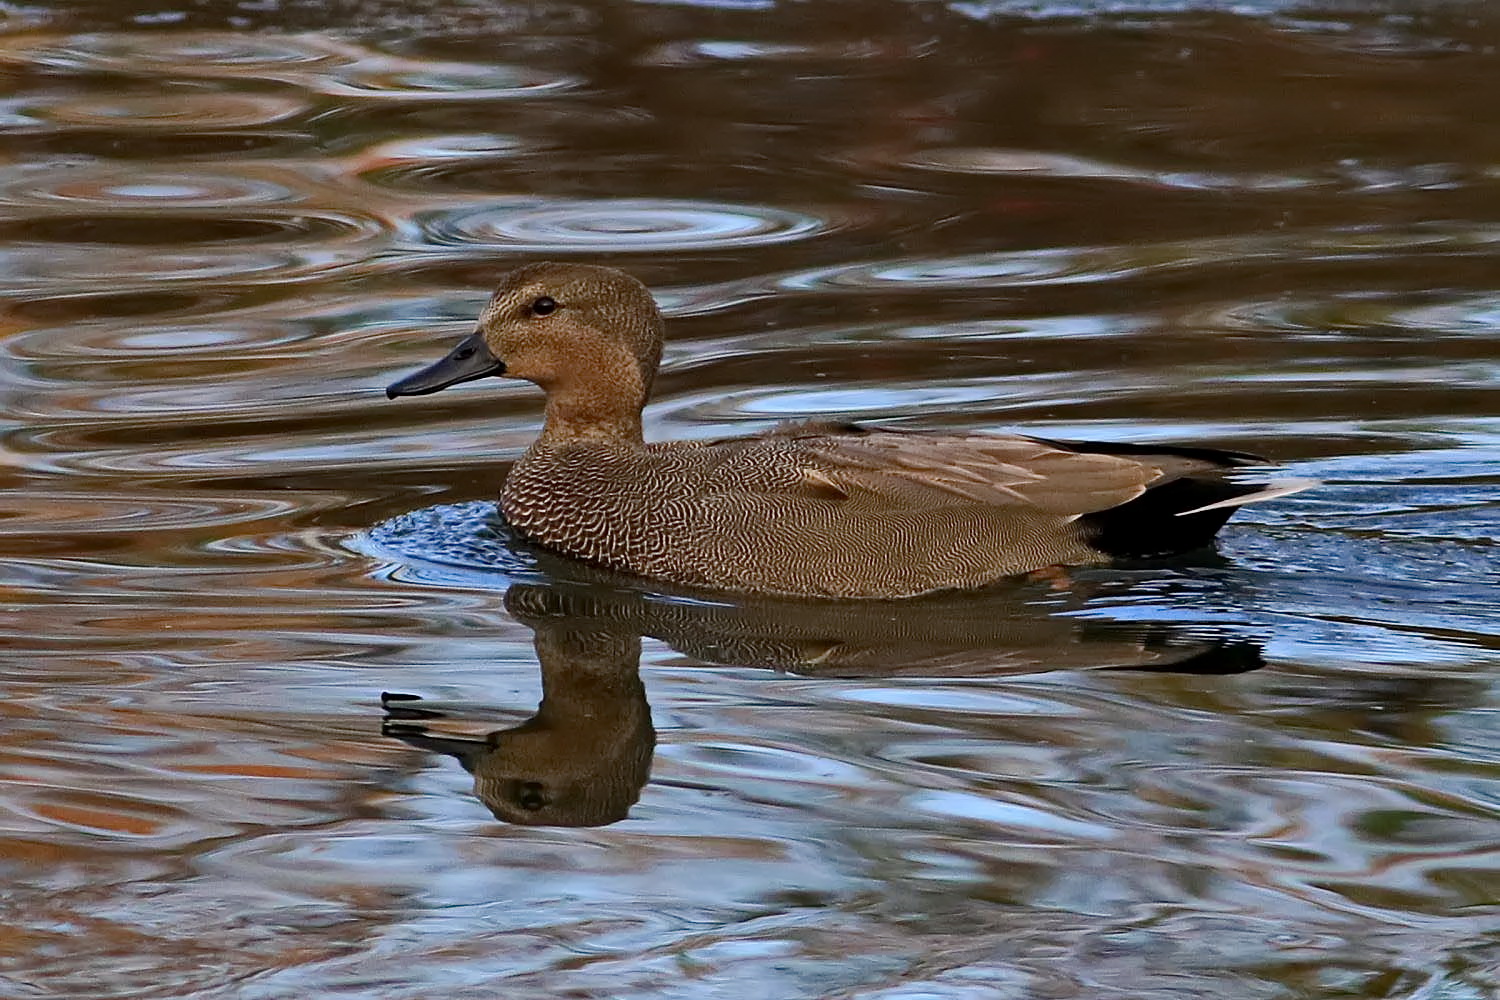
{"x": 570, "y": 328}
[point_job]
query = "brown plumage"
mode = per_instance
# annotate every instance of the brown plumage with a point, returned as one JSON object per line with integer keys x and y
{"x": 582, "y": 759}
{"x": 807, "y": 509}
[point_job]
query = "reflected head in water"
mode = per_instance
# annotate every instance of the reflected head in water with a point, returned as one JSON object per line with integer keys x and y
{"x": 805, "y": 509}
{"x": 581, "y": 760}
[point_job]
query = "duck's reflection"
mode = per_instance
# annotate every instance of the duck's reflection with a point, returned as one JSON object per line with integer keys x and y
{"x": 584, "y": 756}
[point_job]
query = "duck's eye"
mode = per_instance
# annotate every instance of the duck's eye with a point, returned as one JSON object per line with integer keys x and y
{"x": 543, "y": 306}
{"x": 532, "y": 796}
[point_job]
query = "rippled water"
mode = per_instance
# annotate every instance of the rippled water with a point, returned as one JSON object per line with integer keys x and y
{"x": 224, "y": 227}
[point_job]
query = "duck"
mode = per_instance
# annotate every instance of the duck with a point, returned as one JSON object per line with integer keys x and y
{"x": 807, "y": 509}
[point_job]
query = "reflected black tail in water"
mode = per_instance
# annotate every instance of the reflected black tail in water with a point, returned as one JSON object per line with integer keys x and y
{"x": 1224, "y": 657}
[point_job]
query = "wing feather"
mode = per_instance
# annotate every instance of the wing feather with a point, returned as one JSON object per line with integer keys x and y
{"x": 912, "y": 469}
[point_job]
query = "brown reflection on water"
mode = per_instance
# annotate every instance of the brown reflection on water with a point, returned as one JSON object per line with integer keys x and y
{"x": 223, "y": 228}
{"x": 583, "y": 757}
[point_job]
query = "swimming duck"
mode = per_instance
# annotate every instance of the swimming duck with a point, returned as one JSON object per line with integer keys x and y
{"x": 806, "y": 509}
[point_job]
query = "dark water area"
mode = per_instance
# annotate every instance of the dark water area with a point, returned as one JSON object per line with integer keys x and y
{"x": 224, "y": 228}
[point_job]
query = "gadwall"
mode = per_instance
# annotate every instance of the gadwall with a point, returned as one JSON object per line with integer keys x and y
{"x": 809, "y": 509}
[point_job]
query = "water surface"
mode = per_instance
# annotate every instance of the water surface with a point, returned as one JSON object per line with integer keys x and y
{"x": 224, "y": 228}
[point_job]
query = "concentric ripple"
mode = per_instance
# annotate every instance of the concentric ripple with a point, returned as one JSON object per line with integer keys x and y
{"x": 319, "y": 64}
{"x": 189, "y": 52}
{"x": 1362, "y": 316}
{"x": 99, "y": 187}
{"x": 997, "y": 162}
{"x": 456, "y": 146}
{"x": 77, "y": 270}
{"x": 132, "y": 229}
{"x": 172, "y": 111}
{"x": 51, "y": 512}
{"x": 622, "y": 226}
{"x": 386, "y": 78}
{"x": 1468, "y": 316}
{"x": 885, "y": 400}
{"x": 438, "y": 163}
{"x": 991, "y": 270}
{"x": 1106, "y": 262}
{"x": 115, "y": 341}
{"x": 54, "y": 251}
{"x": 693, "y": 52}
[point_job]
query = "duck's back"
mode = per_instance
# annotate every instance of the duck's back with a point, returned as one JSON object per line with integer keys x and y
{"x": 837, "y": 511}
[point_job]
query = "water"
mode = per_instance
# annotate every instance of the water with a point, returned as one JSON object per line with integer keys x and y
{"x": 224, "y": 227}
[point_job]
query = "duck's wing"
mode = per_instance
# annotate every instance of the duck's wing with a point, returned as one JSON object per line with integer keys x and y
{"x": 906, "y": 469}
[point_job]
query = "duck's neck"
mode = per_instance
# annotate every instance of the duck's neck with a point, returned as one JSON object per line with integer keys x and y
{"x": 567, "y": 425}
{"x": 581, "y": 413}
{"x": 588, "y": 675}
